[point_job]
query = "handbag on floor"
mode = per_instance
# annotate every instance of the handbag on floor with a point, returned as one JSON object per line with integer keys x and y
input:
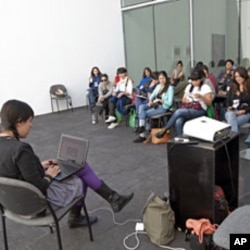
{"x": 156, "y": 140}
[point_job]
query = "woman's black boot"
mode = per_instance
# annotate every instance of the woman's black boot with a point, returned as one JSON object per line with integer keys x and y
{"x": 76, "y": 219}
{"x": 116, "y": 201}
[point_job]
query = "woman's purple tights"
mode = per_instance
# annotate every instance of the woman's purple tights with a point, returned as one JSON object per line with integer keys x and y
{"x": 89, "y": 179}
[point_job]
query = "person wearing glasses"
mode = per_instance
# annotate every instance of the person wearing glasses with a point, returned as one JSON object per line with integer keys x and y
{"x": 105, "y": 91}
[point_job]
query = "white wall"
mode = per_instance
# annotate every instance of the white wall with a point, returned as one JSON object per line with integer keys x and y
{"x": 43, "y": 42}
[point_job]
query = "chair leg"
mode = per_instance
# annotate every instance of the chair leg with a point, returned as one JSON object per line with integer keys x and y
{"x": 58, "y": 234}
{"x": 87, "y": 218}
{"x": 67, "y": 103}
{"x": 71, "y": 104}
{"x": 52, "y": 107}
{"x": 57, "y": 106}
{"x": 4, "y": 231}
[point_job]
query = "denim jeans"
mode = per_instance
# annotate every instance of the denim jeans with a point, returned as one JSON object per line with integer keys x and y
{"x": 236, "y": 121}
{"x": 146, "y": 111}
{"x": 92, "y": 95}
{"x": 180, "y": 116}
{"x": 138, "y": 102}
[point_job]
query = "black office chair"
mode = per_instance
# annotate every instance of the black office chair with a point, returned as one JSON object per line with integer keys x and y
{"x": 22, "y": 203}
{"x": 59, "y": 92}
{"x": 160, "y": 120}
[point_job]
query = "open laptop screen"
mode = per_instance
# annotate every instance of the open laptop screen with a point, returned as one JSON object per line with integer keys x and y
{"x": 73, "y": 149}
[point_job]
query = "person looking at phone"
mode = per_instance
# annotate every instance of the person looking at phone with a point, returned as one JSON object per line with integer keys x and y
{"x": 198, "y": 95}
{"x": 160, "y": 101}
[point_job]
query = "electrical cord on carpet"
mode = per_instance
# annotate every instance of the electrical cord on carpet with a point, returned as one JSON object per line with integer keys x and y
{"x": 135, "y": 234}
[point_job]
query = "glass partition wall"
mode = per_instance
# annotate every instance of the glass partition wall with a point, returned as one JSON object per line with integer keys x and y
{"x": 159, "y": 33}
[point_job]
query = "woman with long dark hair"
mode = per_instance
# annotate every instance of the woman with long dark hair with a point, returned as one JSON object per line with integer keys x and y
{"x": 160, "y": 101}
{"x": 18, "y": 161}
{"x": 197, "y": 96}
{"x": 238, "y": 100}
{"x": 94, "y": 81}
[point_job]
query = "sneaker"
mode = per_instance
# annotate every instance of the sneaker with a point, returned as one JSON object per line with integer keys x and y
{"x": 113, "y": 125}
{"x": 110, "y": 119}
{"x": 139, "y": 139}
{"x": 93, "y": 119}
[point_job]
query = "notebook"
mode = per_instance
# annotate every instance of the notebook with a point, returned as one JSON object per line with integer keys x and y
{"x": 72, "y": 155}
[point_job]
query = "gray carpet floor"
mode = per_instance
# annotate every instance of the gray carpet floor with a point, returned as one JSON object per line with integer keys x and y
{"x": 122, "y": 164}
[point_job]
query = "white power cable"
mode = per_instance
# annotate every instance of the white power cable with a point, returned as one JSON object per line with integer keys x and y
{"x": 113, "y": 215}
{"x": 135, "y": 234}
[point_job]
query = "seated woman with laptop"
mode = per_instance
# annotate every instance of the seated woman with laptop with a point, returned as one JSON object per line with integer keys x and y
{"x": 18, "y": 161}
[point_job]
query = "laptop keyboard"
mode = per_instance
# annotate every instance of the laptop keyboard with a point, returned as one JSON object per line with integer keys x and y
{"x": 67, "y": 167}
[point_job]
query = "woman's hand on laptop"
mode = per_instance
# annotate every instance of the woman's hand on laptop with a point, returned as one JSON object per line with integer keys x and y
{"x": 53, "y": 171}
{"x": 49, "y": 163}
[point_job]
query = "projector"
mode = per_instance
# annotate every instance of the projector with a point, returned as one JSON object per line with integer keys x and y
{"x": 207, "y": 129}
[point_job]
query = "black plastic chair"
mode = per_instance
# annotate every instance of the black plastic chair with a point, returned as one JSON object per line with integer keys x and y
{"x": 161, "y": 119}
{"x": 59, "y": 92}
{"x": 24, "y": 203}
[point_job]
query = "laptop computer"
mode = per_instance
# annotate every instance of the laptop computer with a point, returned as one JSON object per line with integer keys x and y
{"x": 72, "y": 155}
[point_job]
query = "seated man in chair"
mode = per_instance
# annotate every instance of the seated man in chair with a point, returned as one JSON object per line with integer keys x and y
{"x": 122, "y": 95}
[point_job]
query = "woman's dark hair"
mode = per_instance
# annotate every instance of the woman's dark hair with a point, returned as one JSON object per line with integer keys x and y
{"x": 121, "y": 70}
{"x": 164, "y": 73}
{"x": 14, "y": 111}
{"x": 92, "y": 71}
{"x": 105, "y": 75}
{"x": 242, "y": 71}
{"x": 205, "y": 67}
{"x": 155, "y": 75}
{"x": 197, "y": 74}
{"x": 179, "y": 62}
{"x": 229, "y": 60}
{"x": 199, "y": 64}
{"x": 146, "y": 69}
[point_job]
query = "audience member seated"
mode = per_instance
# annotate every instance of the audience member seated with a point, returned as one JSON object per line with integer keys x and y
{"x": 144, "y": 92}
{"x": 94, "y": 81}
{"x": 177, "y": 74}
{"x": 18, "y": 161}
{"x": 211, "y": 77}
{"x": 116, "y": 79}
{"x": 160, "y": 101}
{"x": 224, "y": 79}
{"x": 196, "y": 99}
{"x": 146, "y": 77}
{"x": 248, "y": 72}
{"x": 238, "y": 100}
{"x": 105, "y": 92}
{"x": 121, "y": 96}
